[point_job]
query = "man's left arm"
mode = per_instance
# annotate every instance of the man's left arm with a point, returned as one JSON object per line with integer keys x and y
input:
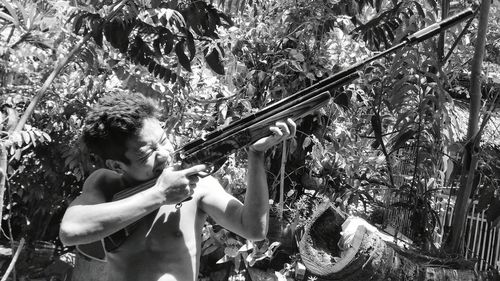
{"x": 249, "y": 219}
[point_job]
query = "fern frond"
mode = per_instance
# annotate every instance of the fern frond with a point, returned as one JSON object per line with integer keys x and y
{"x": 379, "y": 32}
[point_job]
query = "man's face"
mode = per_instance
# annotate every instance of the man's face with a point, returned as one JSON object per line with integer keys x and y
{"x": 149, "y": 152}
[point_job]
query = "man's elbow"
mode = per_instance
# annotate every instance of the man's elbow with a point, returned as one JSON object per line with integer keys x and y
{"x": 256, "y": 234}
{"x": 68, "y": 234}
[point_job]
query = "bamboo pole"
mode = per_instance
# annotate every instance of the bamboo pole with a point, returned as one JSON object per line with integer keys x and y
{"x": 470, "y": 153}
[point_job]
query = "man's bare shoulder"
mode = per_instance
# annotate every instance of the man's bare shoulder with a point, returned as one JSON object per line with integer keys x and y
{"x": 102, "y": 177}
{"x": 211, "y": 192}
{"x": 103, "y": 182}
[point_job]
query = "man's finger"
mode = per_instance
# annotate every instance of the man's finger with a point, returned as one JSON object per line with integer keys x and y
{"x": 195, "y": 169}
{"x": 174, "y": 167}
{"x": 283, "y": 127}
{"x": 276, "y": 131}
{"x": 292, "y": 126}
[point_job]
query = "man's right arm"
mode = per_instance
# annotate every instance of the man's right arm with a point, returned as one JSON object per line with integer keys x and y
{"x": 90, "y": 218}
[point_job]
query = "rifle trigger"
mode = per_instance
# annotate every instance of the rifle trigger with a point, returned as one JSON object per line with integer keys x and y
{"x": 208, "y": 171}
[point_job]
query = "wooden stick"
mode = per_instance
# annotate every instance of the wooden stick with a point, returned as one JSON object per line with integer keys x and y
{"x": 497, "y": 250}
{"x": 282, "y": 180}
{"x": 484, "y": 232}
{"x": 3, "y": 175}
{"x": 475, "y": 236}
{"x": 468, "y": 247}
{"x": 489, "y": 254}
{"x": 14, "y": 259}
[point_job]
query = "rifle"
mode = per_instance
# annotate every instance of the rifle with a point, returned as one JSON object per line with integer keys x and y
{"x": 214, "y": 147}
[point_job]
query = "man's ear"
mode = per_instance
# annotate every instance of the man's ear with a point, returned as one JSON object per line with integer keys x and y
{"x": 115, "y": 165}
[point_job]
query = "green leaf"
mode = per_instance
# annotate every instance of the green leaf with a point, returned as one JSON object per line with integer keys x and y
{"x": 151, "y": 67}
{"x": 17, "y": 154}
{"x": 33, "y": 137}
{"x": 378, "y": 5}
{"x": 117, "y": 35}
{"x": 379, "y": 36}
{"x": 213, "y": 21}
{"x": 77, "y": 23}
{"x": 420, "y": 10}
{"x": 39, "y": 135}
{"x": 210, "y": 249}
{"x": 171, "y": 15}
{"x": 47, "y": 137}
{"x": 12, "y": 12}
{"x": 190, "y": 44}
{"x": 401, "y": 139}
{"x": 173, "y": 77}
{"x": 389, "y": 31}
{"x": 7, "y": 17}
{"x": 433, "y": 4}
{"x": 181, "y": 81}
{"x": 156, "y": 47}
{"x": 168, "y": 41}
{"x": 213, "y": 60}
{"x": 158, "y": 71}
{"x": 167, "y": 75}
{"x": 97, "y": 36}
{"x": 16, "y": 138}
{"x": 183, "y": 59}
{"x": 88, "y": 56}
{"x": 143, "y": 60}
{"x": 26, "y": 137}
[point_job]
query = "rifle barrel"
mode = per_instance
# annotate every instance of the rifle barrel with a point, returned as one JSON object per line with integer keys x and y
{"x": 221, "y": 147}
{"x": 437, "y": 27}
{"x": 316, "y": 94}
{"x": 266, "y": 113}
{"x": 334, "y": 81}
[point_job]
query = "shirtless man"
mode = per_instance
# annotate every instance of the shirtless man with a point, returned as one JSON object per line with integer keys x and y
{"x": 166, "y": 242}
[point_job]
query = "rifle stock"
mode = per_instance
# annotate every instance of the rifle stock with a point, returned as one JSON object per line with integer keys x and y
{"x": 215, "y": 146}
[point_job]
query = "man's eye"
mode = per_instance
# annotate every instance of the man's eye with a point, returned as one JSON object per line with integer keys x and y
{"x": 145, "y": 157}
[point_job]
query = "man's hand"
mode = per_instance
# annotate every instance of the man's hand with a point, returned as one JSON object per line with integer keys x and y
{"x": 177, "y": 185}
{"x": 281, "y": 131}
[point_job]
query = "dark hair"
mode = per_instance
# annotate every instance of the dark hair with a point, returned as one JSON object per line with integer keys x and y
{"x": 113, "y": 120}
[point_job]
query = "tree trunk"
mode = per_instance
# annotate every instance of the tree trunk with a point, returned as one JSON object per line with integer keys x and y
{"x": 335, "y": 249}
{"x": 469, "y": 160}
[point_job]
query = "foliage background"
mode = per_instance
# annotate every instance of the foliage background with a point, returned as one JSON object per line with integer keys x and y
{"x": 208, "y": 65}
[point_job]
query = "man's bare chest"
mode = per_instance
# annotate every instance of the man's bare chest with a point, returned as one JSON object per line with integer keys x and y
{"x": 166, "y": 229}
